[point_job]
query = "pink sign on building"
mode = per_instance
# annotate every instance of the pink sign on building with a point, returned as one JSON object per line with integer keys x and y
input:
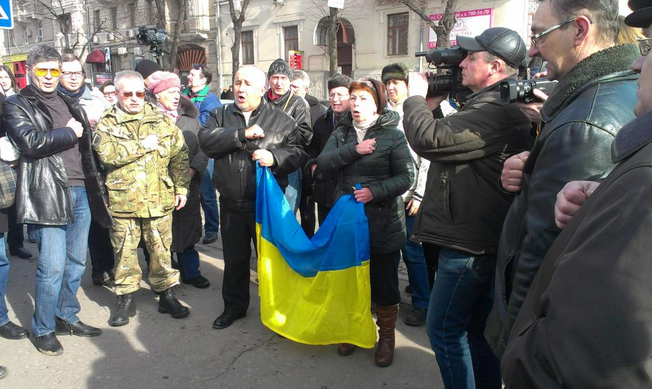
{"x": 469, "y": 23}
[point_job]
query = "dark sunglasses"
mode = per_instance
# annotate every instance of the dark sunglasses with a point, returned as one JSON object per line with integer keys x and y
{"x": 140, "y": 94}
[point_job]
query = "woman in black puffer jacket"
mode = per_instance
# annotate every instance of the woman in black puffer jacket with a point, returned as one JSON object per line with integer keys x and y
{"x": 368, "y": 149}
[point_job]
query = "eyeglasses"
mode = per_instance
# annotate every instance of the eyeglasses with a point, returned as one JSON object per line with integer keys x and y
{"x": 107, "y": 94}
{"x": 140, "y": 94}
{"x": 536, "y": 38}
{"x": 339, "y": 96}
{"x": 72, "y": 74}
{"x": 644, "y": 46}
{"x": 40, "y": 72}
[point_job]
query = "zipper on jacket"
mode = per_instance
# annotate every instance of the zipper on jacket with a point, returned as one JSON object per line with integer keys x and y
{"x": 446, "y": 200}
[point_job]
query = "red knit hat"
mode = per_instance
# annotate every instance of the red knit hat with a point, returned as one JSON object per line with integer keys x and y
{"x": 160, "y": 81}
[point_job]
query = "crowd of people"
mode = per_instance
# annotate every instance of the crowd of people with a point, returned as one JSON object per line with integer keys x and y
{"x": 523, "y": 226}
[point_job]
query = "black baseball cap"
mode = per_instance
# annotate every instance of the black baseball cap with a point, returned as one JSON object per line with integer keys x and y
{"x": 642, "y": 15}
{"x": 499, "y": 41}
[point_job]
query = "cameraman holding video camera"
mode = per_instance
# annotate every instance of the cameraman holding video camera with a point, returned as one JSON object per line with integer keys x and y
{"x": 464, "y": 207}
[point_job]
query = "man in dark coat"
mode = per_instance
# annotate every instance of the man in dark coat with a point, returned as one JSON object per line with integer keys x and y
{"x": 594, "y": 98}
{"x": 236, "y": 136}
{"x": 464, "y": 207}
{"x": 280, "y": 96}
{"x": 299, "y": 85}
{"x": 58, "y": 188}
{"x": 324, "y": 185}
{"x": 587, "y": 319}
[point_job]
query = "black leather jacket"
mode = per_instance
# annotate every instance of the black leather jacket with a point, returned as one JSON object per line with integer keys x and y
{"x": 298, "y": 108}
{"x": 463, "y": 207}
{"x": 42, "y": 193}
{"x": 223, "y": 138}
{"x": 581, "y": 119}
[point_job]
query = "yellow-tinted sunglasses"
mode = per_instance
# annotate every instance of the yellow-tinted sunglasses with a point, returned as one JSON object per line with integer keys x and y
{"x": 40, "y": 72}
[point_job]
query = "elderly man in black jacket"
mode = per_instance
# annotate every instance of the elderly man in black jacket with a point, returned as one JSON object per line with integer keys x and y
{"x": 587, "y": 319}
{"x": 463, "y": 207}
{"x": 58, "y": 188}
{"x": 594, "y": 98}
{"x": 237, "y": 135}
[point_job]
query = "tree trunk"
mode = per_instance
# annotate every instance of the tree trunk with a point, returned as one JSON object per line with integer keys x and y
{"x": 237, "y": 20}
{"x": 443, "y": 29}
{"x": 333, "y": 25}
{"x": 181, "y": 17}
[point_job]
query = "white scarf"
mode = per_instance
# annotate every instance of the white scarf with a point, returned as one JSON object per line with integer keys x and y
{"x": 362, "y": 127}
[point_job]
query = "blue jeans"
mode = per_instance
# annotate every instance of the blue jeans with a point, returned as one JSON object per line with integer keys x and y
{"x": 460, "y": 303}
{"x": 208, "y": 199}
{"x": 4, "y": 276}
{"x": 189, "y": 263}
{"x": 61, "y": 264}
{"x": 417, "y": 270}
{"x": 293, "y": 190}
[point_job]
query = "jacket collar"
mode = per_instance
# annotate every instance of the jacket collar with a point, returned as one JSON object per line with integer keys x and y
{"x": 632, "y": 137}
{"x": 610, "y": 62}
{"x": 386, "y": 118}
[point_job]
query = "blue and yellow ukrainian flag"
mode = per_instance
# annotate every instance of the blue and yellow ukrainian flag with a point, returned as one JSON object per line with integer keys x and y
{"x": 313, "y": 291}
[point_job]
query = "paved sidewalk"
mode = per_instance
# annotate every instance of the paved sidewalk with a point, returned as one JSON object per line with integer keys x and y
{"x": 156, "y": 351}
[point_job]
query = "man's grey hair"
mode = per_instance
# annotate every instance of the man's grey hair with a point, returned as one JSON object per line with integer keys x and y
{"x": 126, "y": 75}
{"x": 42, "y": 53}
{"x": 300, "y": 74}
{"x": 602, "y": 13}
{"x": 507, "y": 69}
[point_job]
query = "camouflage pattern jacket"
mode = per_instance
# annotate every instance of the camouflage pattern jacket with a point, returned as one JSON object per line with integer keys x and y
{"x": 141, "y": 182}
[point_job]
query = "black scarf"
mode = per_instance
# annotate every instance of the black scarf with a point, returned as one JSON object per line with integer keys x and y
{"x": 616, "y": 59}
{"x": 74, "y": 96}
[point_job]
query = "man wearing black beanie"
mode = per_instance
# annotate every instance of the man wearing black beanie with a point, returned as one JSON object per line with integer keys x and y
{"x": 280, "y": 96}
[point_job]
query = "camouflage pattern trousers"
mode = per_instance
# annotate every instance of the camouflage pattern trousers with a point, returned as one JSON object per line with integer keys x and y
{"x": 157, "y": 235}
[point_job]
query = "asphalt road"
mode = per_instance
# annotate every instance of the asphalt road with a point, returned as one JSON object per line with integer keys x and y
{"x": 156, "y": 351}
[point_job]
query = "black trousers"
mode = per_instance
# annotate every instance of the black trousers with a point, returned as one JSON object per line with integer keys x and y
{"x": 322, "y": 212}
{"x": 383, "y": 269}
{"x": 15, "y": 234}
{"x": 307, "y": 210}
{"x": 431, "y": 252}
{"x": 100, "y": 249}
{"x": 238, "y": 231}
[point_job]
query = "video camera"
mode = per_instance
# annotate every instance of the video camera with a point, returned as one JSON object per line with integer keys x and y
{"x": 449, "y": 61}
{"x": 523, "y": 90}
{"x": 152, "y": 36}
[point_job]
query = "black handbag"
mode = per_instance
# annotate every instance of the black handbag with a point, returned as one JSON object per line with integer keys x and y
{"x": 7, "y": 185}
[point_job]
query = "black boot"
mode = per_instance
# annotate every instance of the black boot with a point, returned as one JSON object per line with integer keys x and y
{"x": 126, "y": 309}
{"x": 167, "y": 303}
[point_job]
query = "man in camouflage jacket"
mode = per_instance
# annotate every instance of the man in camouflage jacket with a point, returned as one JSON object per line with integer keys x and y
{"x": 147, "y": 164}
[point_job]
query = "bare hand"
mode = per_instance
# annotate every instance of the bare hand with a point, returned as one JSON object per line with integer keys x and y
{"x": 312, "y": 169}
{"x": 533, "y": 110}
{"x": 254, "y": 132}
{"x": 570, "y": 198}
{"x": 413, "y": 207}
{"x": 264, "y": 157}
{"x": 192, "y": 172}
{"x": 363, "y": 195}
{"x": 180, "y": 201}
{"x": 92, "y": 122}
{"x": 367, "y": 146}
{"x": 417, "y": 85}
{"x": 76, "y": 126}
{"x": 512, "y": 176}
{"x": 150, "y": 142}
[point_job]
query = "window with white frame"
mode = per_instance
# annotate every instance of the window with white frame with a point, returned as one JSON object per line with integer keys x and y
{"x": 247, "y": 47}
{"x": 290, "y": 39}
{"x": 397, "y": 34}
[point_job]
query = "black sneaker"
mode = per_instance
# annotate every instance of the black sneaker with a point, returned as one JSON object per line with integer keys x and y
{"x": 210, "y": 237}
{"x": 417, "y": 317}
{"x": 48, "y": 344}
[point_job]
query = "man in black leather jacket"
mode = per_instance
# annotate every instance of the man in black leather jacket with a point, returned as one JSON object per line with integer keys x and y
{"x": 580, "y": 119}
{"x": 58, "y": 188}
{"x": 237, "y": 135}
{"x": 463, "y": 207}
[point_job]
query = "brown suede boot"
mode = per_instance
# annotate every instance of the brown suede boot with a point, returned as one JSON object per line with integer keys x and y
{"x": 386, "y": 324}
{"x": 345, "y": 349}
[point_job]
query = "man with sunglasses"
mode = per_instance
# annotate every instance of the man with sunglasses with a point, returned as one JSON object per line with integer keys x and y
{"x": 147, "y": 178}
{"x": 579, "y": 120}
{"x": 587, "y": 319}
{"x": 81, "y": 95}
{"x": 58, "y": 188}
